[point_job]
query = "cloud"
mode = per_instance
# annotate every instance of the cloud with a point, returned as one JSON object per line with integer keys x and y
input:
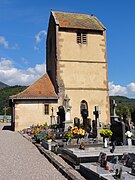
{"x": 10, "y": 75}
{"x": 128, "y": 90}
{"x": 131, "y": 87}
{"x": 117, "y": 89}
{"x": 4, "y": 42}
{"x": 40, "y": 36}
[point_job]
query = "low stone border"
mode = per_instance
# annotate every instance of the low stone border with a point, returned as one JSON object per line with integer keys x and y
{"x": 68, "y": 171}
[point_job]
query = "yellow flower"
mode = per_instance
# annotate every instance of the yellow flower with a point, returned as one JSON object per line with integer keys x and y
{"x": 106, "y": 133}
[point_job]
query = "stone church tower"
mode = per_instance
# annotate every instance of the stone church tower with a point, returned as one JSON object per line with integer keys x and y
{"x": 77, "y": 62}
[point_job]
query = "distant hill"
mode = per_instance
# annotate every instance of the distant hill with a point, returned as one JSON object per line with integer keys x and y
{"x": 4, "y": 96}
{"x": 2, "y": 85}
{"x": 125, "y": 105}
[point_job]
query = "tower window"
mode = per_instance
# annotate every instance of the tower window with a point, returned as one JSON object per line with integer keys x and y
{"x": 81, "y": 38}
{"x": 46, "y": 109}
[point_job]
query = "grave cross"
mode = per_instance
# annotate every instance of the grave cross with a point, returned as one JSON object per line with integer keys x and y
{"x": 52, "y": 117}
{"x": 5, "y": 113}
{"x": 5, "y": 110}
{"x": 114, "y": 107}
{"x": 96, "y": 113}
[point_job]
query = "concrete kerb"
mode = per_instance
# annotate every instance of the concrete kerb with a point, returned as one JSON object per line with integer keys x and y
{"x": 64, "y": 168}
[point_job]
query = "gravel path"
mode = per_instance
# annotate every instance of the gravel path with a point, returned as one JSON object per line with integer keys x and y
{"x": 21, "y": 160}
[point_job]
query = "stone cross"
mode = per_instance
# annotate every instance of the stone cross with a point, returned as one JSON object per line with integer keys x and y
{"x": 114, "y": 107}
{"x": 52, "y": 117}
{"x": 5, "y": 110}
{"x": 5, "y": 113}
{"x": 96, "y": 113}
{"x": 67, "y": 108}
{"x": 66, "y": 103}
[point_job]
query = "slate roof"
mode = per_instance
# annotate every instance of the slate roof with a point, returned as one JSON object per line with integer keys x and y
{"x": 79, "y": 21}
{"x": 41, "y": 89}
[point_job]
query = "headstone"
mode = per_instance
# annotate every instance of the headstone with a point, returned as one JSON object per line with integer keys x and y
{"x": 77, "y": 122}
{"x": 98, "y": 126}
{"x": 133, "y": 169}
{"x": 61, "y": 118}
{"x": 52, "y": 118}
{"x": 114, "y": 117}
{"x": 118, "y": 129}
{"x": 5, "y": 113}
{"x": 67, "y": 107}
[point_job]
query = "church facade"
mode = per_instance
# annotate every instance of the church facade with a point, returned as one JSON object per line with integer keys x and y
{"x": 77, "y": 67}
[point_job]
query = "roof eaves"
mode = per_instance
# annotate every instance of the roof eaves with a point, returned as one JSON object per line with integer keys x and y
{"x": 55, "y": 18}
{"x": 34, "y": 98}
{"x": 99, "y": 22}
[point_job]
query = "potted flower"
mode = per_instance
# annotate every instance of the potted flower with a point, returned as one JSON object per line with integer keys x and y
{"x": 68, "y": 136}
{"x": 105, "y": 133}
{"x": 129, "y": 134}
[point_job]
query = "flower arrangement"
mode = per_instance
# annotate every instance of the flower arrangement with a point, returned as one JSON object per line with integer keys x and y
{"x": 49, "y": 135}
{"x": 68, "y": 135}
{"x": 106, "y": 133}
{"x": 77, "y": 131}
{"x": 129, "y": 134}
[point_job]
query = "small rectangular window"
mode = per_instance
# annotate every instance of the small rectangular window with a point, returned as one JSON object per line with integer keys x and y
{"x": 78, "y": 38}
{"x": 81, "y": 38}
{"x": 46, "y": 109}
{"x": 84, "y": 38}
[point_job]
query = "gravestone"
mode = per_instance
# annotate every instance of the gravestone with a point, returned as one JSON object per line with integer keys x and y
{"x": 118, "y": 129}
{"x": 5, "y": 113}
{"x": 77, "y": 122}
{"x": 98, "y": 124}
{"x": 61, "y": 118}
{"x": 114, "y": 117}
{"x": 68, "y": 122}
{"x": 52, "y": 118}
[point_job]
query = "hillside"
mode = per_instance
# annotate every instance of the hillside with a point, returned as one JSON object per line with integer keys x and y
{"x": 2, "y": 85}
{"x": 5, "y": 93}
{"x": 125, "y": 105}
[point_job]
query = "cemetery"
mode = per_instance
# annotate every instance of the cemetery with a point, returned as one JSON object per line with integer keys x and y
{"x": 95, "y": 150}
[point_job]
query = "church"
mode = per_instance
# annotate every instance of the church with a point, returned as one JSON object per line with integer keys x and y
{"x": 76, "y": 73}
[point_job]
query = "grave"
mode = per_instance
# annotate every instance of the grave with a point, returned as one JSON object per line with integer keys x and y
{"x": 74, "y": 156}
{"x": 96, "y": 172}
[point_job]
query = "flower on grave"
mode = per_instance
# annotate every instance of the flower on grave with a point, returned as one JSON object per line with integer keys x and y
{"x": 106, "y": 133}
{"x": 75, "y": 130}
{"x": 68, "y": 135}
{"x": 81, "y": 131}
{"x": 49, "y": 134}
{"x": 129, "y": 134}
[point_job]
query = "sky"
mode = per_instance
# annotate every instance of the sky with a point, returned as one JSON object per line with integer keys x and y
{"x": 23, "y": 29}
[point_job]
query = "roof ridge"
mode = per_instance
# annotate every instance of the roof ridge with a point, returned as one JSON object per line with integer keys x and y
{"x": 77, "y": 20}
{"x": 41, "y": 88}
{"x": 72, "y": 13}
{"x": 29, "y": 86}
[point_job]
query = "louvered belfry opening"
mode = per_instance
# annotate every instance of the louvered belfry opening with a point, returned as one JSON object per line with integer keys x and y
{"x": 81, "y": 38}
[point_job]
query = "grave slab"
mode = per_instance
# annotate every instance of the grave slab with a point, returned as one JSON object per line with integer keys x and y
{"x": 94, "y": 171}
{"x": 75, "y": 156}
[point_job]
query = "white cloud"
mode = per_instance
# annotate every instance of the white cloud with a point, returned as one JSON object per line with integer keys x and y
{"x": 10, "y": 75}
{"x": 117, "y": 89}
{"x": 128, "y": 90}
{"x": 40, "y": 36}
{"x": 131, "y": 87}
{"x": 4, "y": 42}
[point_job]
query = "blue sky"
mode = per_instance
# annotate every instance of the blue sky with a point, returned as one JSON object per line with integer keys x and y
{"x": 23, "y": 30}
